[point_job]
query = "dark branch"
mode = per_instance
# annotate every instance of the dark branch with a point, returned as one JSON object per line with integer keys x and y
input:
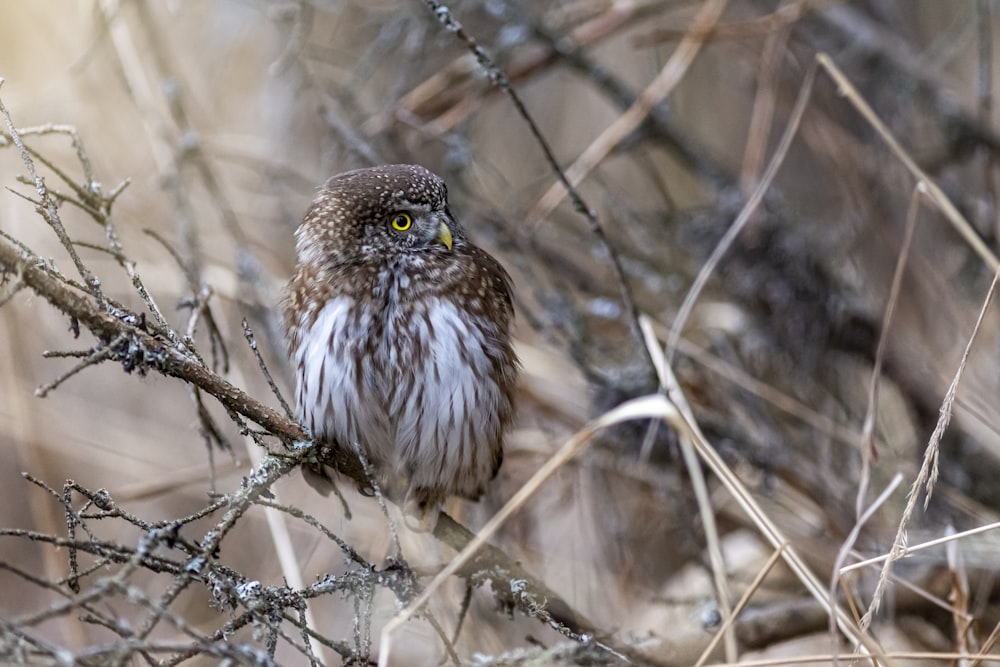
{"x": 161, "y": 354}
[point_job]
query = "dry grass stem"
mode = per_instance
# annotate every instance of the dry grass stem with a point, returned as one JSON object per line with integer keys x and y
{"x": 924, "y": 181}
{"x": 727, "y": 625}
{"x": 671, "y": 74}
{"x": 867, "y": 444}
{"x": 641, "y": 408}
{"x": 668, "y": 384}
{"x": 923, "y": 484}
{"x": 909, "y": 550}
{"x": 745, "y": 215}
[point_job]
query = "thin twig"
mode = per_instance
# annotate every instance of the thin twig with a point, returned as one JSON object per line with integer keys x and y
{"x": 497, "y": 76}
{"x": 48, "y": 209}
{"x": 97, "y": 356}
{"x": 670, "y": 75}
{"x": 852, "y": 538}
{"x": 248, "y": 334}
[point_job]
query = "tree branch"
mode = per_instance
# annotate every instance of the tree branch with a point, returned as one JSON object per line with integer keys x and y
{"x": 132, "y": 343}
{"x": 162, "y": 355}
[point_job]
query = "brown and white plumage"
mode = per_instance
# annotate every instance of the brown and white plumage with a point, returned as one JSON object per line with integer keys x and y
{"x": 399, "y": 332}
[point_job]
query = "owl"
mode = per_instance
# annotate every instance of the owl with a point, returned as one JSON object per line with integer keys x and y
{"x": 399, "y": 332}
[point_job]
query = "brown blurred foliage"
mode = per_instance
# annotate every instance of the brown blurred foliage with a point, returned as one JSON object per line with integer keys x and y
{"x": 225, "y": 115}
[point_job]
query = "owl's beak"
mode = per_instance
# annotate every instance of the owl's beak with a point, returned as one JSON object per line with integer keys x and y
{"x": 444, "y": 234}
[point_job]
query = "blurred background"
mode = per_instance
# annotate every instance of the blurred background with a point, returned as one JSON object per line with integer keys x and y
{"x": 224, "y": 116}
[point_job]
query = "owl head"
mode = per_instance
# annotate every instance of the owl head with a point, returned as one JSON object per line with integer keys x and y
{"x": 366, "y": 214}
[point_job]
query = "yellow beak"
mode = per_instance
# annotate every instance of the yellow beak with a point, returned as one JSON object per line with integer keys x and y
{"x": 444, "y": 234}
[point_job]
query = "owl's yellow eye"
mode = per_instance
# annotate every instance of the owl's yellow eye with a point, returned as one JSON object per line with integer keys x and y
{"x": 401, "y": 222}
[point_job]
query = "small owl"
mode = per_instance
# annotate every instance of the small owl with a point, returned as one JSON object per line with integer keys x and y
{"x": 399, "y": 333}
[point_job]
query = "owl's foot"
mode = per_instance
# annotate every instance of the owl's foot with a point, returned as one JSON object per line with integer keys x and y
{"x": 319, "y": 477}
{"x": 420, "y": 513}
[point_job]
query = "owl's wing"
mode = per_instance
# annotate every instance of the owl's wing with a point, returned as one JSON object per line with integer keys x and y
{"x": 503, "y": 285}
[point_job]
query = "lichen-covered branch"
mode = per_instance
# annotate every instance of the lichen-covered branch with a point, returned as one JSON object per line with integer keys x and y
{"x": 139, "y": 344}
